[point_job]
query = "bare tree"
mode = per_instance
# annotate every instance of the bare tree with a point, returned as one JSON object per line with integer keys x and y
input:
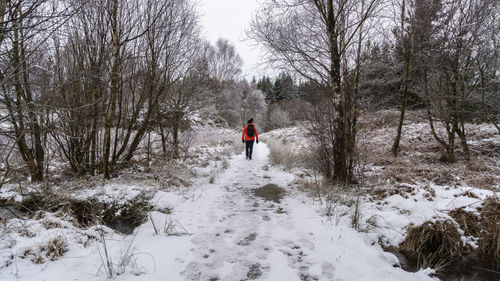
{"x": 241, "y": 102}
{"x": 79, "y": 67}
{"x": 488, "y": 63}
{"x": 316, "y": 39}
{"x": 186, "y": 96}
{"x": 24, "y": 29}
{"x": 224, "y": 63}
{"x": 120, "y": 61}
{"x": 449, "y": 34}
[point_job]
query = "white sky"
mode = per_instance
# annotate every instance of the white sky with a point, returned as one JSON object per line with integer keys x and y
{"x": 229, "y": 19}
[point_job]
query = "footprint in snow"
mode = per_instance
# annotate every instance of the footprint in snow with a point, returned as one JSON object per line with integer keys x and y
{"x": 254, "y": 272}
{"x": 307, "y": 244}
{"x": 327, "y": 269}
{"x": 247, "y": 240}
{"x": 304, "y": 276}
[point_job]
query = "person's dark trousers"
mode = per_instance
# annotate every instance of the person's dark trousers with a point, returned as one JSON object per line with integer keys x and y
{"x": 249, "y": 149}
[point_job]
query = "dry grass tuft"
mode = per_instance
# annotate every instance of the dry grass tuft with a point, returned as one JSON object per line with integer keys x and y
{"x": 286, "y": 155}
{"x": 403, "y": 190}
{"x": 232, "y": 147}
{"x": 432, "y": 243}
{"x": 56, "y": 247}
{"x": 468, "y": 222}
{"x": 489, "y": 237}
{"x": 50, "y": 223}
{"x": 486, "y": 181}
{"x": 381, "y": 118}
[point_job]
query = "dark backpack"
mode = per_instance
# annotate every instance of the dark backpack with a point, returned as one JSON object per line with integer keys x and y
{"x": 250, "y": 131}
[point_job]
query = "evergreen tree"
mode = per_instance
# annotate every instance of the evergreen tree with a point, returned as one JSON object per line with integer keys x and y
{"x": 284, "y": 87}
{"x": 265, "y": 86}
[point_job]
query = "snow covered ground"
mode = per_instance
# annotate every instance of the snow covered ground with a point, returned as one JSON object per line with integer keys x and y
{"x": 208, "y": 224}
{"x": 217, "y": 231}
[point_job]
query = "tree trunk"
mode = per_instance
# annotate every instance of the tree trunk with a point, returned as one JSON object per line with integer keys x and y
{"x": 448, "y": 148}
{"x": 34, "y": 162}
{"x": 451, "y": 145}
{"x": 113, "y": 90}
{"x": 163, "y": 139}
{"x": 404, "y": 93}
{"x": 403, "y": 103}
{"x": 175, "y": 134}
{"x": 340, "y": 168}
{"x": 353, "y": 114}
{"x": 33, "y": 118}
{"x": 463, "y": 140}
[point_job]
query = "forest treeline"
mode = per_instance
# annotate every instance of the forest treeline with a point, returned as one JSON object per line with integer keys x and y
{"x": 85, "y": 83}
{"x": 438, "y": 56}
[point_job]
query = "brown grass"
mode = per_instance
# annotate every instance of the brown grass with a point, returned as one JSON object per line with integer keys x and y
{"x": 432, "y": 243}
{"x": 418, "y": 160}
{"x": 286, "y": 155}
{"x": 403, "y": 190}
{"x": 468, "y": 222}
{"x": 56, "y": 247}
{"x": 489, "y": 237}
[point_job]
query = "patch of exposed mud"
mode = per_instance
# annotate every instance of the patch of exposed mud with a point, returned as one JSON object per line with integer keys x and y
{"x": 270, "y": 192}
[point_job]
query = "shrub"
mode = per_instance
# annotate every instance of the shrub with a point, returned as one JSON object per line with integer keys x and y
{"x": 278, "y": 118}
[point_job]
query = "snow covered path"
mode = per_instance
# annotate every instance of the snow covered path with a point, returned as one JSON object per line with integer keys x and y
{"x": 233, "y": 235}
{"x": 237, "y": 236}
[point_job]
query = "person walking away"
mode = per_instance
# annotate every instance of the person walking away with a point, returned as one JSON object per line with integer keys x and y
{"x": 248, "y": 137}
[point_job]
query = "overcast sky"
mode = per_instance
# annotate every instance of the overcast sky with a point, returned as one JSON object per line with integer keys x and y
{"x": 229, "y": 19}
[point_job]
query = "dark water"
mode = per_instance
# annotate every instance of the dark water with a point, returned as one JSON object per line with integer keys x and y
{"x": 123, "y": 226}
{"x": 10, "y": 212}
{"x": 470, "y": 267}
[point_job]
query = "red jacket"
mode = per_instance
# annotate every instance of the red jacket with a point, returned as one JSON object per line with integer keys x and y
{"x": 247, "y": 138}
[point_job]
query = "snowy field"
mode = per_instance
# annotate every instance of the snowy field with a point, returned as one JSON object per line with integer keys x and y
{"x": 212, "y": 225}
